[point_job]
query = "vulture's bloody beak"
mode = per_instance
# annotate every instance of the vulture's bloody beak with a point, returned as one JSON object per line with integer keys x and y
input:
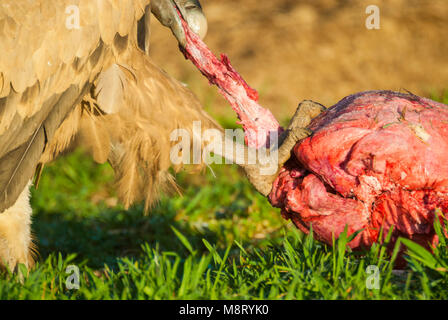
{"x": 166, "y": 11}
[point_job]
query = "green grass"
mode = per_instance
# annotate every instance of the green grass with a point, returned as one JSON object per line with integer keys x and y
{"x": 221, "y": 240}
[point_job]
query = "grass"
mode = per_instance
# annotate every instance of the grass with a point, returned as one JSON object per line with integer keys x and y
{"x": 221, "y": 240}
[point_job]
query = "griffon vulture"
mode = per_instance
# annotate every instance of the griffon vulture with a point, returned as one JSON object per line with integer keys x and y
{"x": 60, "y": 77}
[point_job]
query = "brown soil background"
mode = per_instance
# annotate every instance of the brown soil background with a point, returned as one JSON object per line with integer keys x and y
{"x": 291, "y": 50}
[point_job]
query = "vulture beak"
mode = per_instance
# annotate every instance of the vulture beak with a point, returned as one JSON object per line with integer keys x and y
{"x": 166, "y": 11}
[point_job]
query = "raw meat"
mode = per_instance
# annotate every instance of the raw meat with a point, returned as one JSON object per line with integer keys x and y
{"x": 375, "y": 159}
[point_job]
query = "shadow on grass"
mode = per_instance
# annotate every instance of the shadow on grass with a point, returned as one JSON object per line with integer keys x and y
{"x": 114, "y": 233}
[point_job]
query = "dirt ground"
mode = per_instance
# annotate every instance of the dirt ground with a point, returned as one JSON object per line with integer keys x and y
{"x": 291, "y": 50}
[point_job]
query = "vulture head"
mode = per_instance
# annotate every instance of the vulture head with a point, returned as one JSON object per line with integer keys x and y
{"x": 190, "y": 10}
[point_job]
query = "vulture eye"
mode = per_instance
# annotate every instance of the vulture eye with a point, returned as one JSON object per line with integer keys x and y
{"x": 192, "y": 4}
{"x": 195, "y": 17}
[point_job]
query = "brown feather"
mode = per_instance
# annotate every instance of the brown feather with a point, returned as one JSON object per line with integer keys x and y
{"x": 128, "y": 178}
{"x": 127, "y": 18}
{"x": 110, "y": 89}
{"x": 106, "y": 18}
{"x": 63, "y": 136}
{"x": 96, "y": 136}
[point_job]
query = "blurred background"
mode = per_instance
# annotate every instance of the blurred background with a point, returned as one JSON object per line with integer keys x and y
{"x": 291, "y": 50}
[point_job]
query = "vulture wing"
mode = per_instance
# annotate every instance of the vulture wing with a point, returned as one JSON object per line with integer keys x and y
{"x": 47, "y": 65}
{"x": 94, "y": 82}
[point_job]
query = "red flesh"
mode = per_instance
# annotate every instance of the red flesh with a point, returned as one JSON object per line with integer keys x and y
{"x": 375, "y": 159}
